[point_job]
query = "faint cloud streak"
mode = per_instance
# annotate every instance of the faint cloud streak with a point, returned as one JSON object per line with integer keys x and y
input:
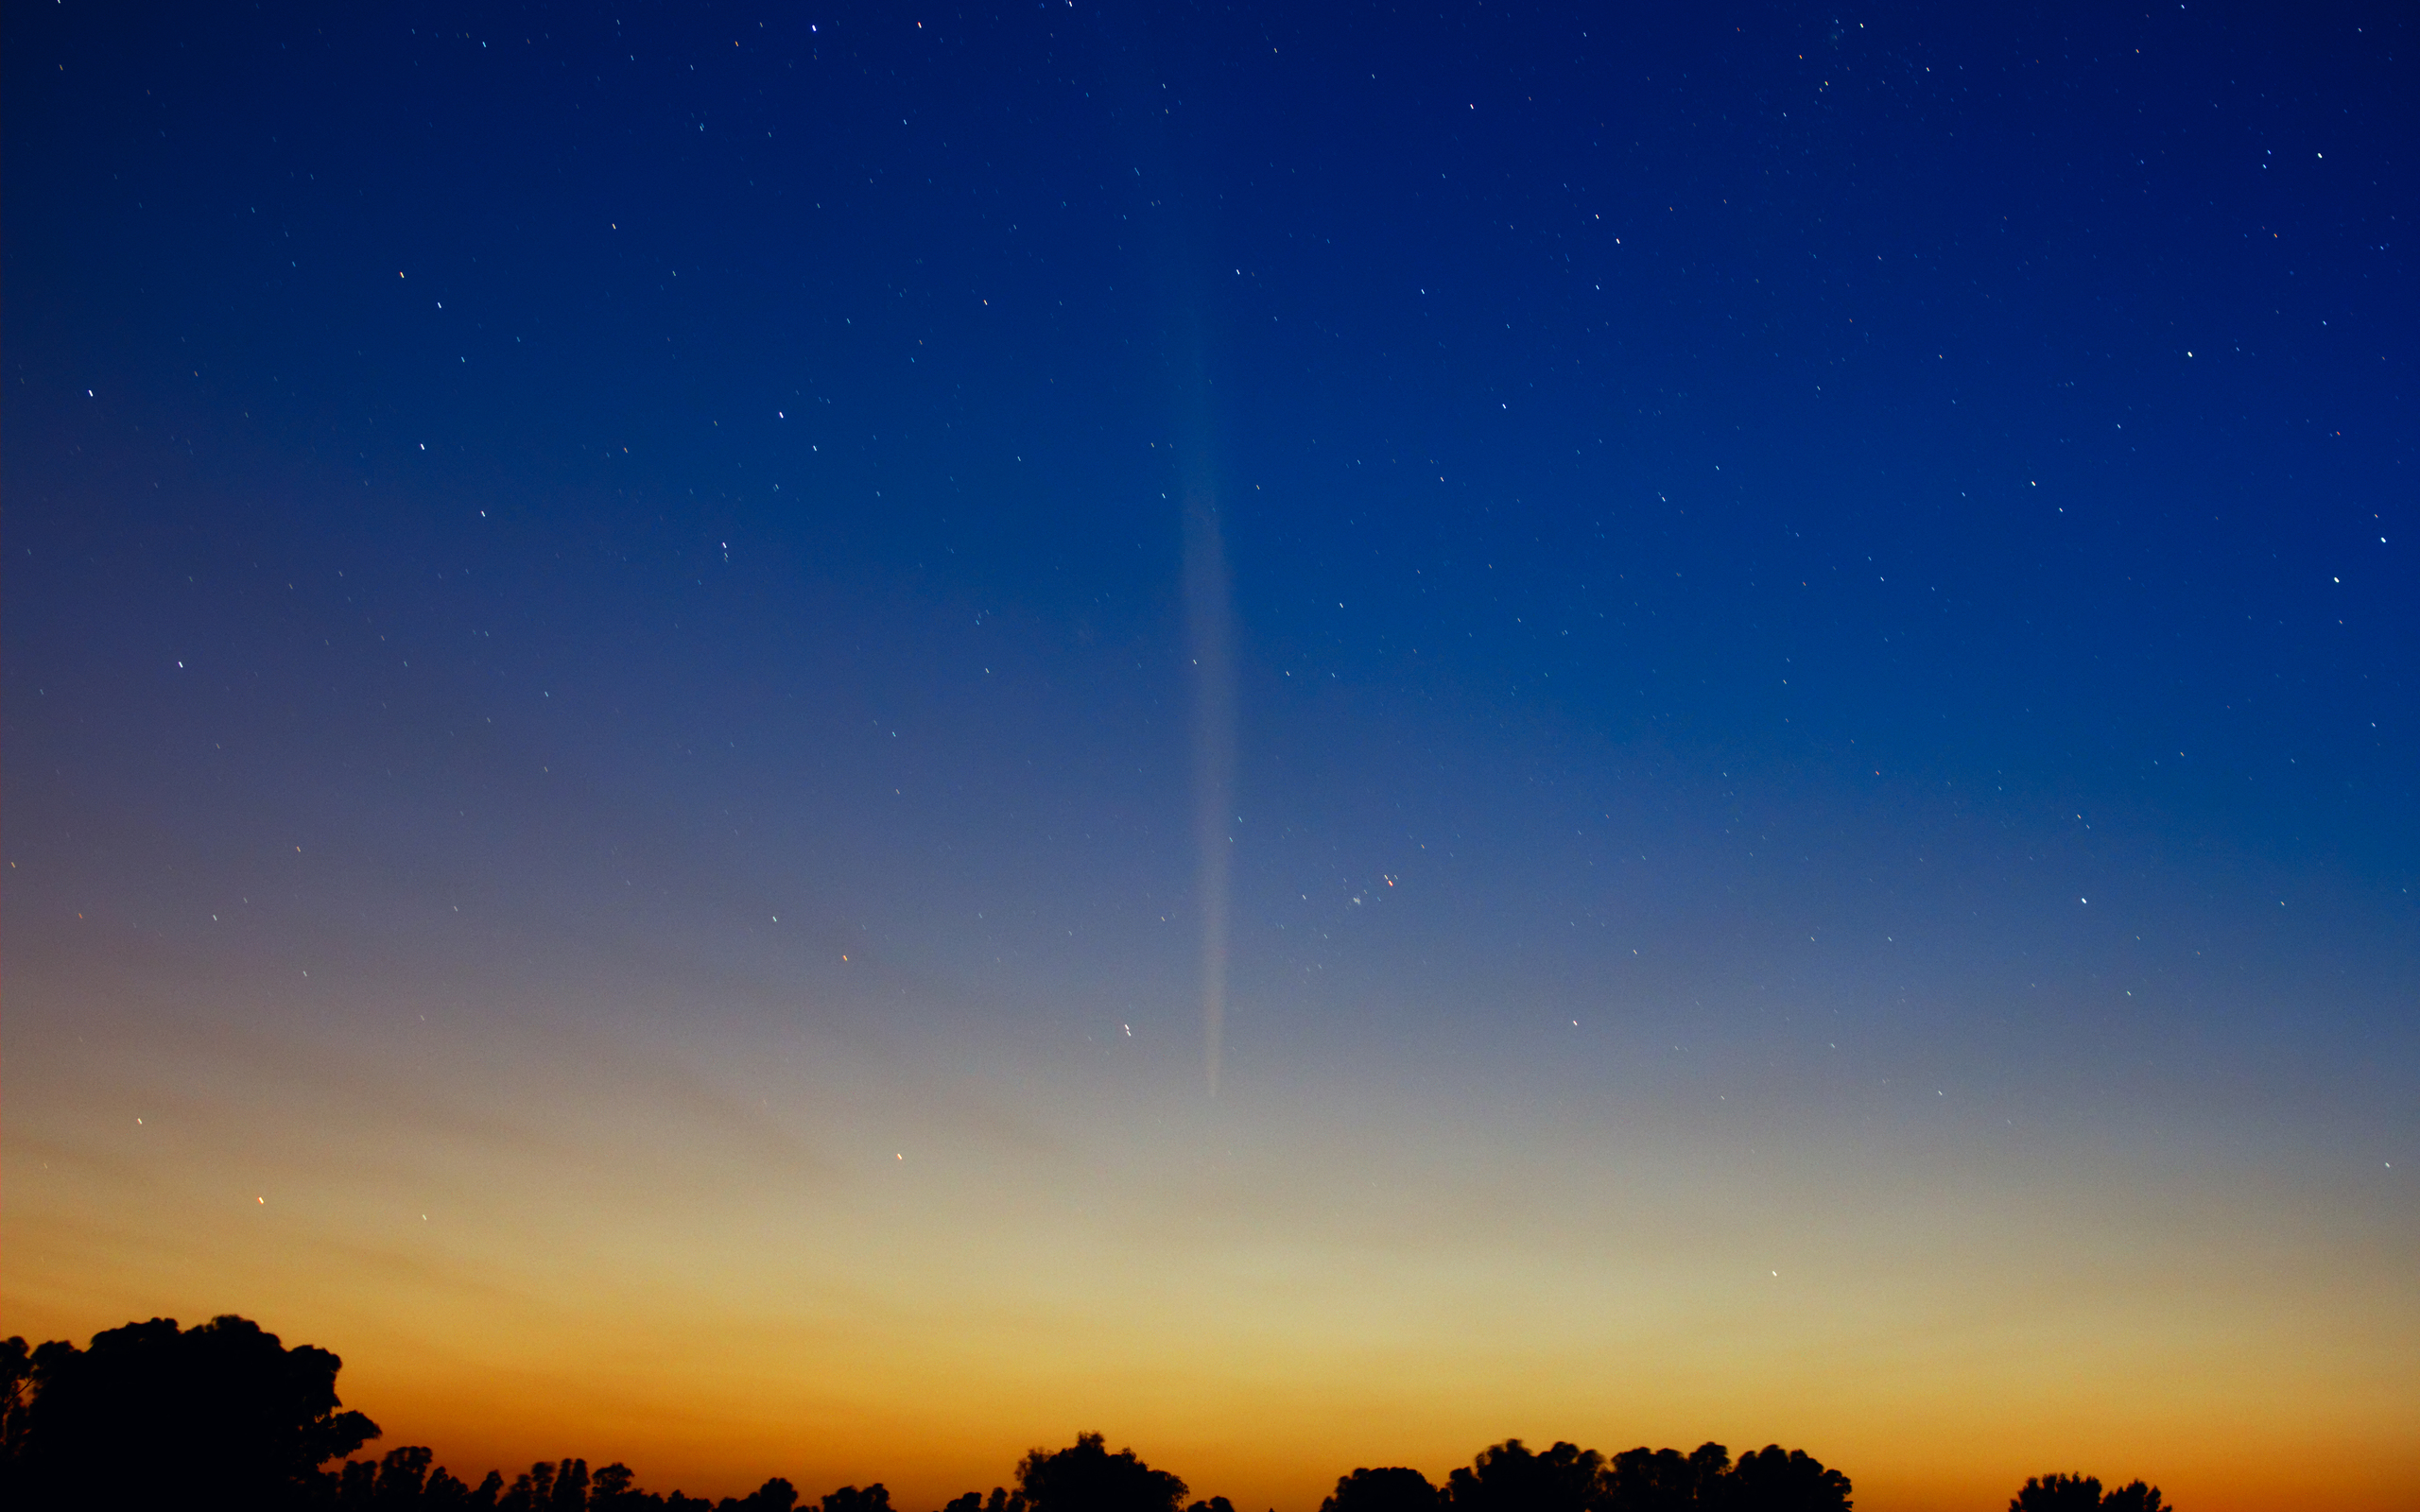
{"x": 1209, "y": 617}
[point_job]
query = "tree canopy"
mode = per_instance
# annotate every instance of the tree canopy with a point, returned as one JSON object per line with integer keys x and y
{"x": 1086, "y": 1477}
{"x": 151, "y": 1414}
{"x": 1394, "y": 1489}
{"x": 153, "y": 1417}
{"x": 2083, "y": 1494}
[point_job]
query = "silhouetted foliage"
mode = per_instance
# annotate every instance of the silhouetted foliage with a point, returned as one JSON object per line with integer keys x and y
{"x": 1086, "y": 1477}
{"x": 2057, "y": 1493}
{"x": 402, "y": 1480}
{"x": 1664, "y": 1480}
{"x": 2081, "y": 1493}
{"x": 1002, "y": 1500}
{"x": 610, "y": 1487}
{"x": 151, "y": 1415}
{"x": 16, "y": 1393}
{"x": 155, "y": 1418}
{"x": 532, "y": 1489}
{"x": 779, "y": 1495}
{"x": 1510, "y": 1477}
{"x": 1773, "y": 1480}
{"x": 558, "y": 1487}
{"x": 874, "y": 1497}
{"x": 1566, "y": 1478}
{"x": 1393, "y": 1489}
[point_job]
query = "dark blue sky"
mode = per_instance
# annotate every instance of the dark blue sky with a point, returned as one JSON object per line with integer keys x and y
{"x": 1783, "y": 341}
{"x": 1934, "y": 486}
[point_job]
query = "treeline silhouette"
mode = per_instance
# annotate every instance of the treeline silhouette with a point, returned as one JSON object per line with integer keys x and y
{"x": 152, "y": 1418}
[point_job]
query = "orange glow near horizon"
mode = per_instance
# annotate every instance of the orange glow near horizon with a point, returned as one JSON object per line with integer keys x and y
{"x": 637, "y": 1251}
{"x": 812, "y": 742}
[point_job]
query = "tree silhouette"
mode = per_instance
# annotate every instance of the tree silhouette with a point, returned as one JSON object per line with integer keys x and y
{"x": 399, "y": 1481}
{"x": 2081, "y": 1493}
{"x": 533, "y": 1489}
{"x": 151, "y": 1415}
{"x": 613, "y": 1489}
{"x": 16, "y": 1396}
{"x": 1664, "y": 1480}
{"x": 2057, "y": 1493}
{"x": 779, "y": 1495}
{"x": 1003, "y": 1500}
{"x": 1510, "y": 1477}
{"x": 1086, "y": 1477}
{"x": 874, "y": 1497}
{"x": 1773, "y": 1480}
{"x": 1394, "y": 1489}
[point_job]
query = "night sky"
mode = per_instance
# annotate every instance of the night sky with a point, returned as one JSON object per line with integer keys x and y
{"x": 823, "y": 741}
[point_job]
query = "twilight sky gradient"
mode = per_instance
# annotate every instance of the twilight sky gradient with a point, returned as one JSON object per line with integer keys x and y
{"x": 620, "y": 624}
